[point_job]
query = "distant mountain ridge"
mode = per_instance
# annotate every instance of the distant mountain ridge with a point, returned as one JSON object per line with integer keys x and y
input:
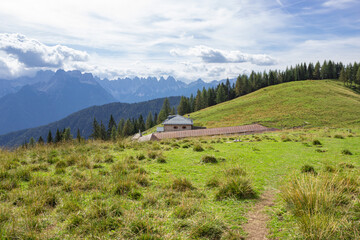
{"x": 83, "y": 120}
{"x": 48, "y": 96}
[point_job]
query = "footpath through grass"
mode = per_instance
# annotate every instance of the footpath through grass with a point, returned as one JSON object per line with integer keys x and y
{"x": 174, "y": 189}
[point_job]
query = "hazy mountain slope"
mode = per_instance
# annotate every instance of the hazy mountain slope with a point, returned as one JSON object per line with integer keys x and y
{"x": 302, "y": 103}
{"x": 84, "y": 118}
{"x": 47, "y": 101}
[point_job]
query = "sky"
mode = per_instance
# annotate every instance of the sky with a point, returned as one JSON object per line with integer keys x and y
{"x": 187, "y": 39}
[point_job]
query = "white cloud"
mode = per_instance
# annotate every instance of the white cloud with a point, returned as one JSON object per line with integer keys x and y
{"x": 338, "y": 3}
{"x": 33, "y": 53}
{"x": 211, "y": 55}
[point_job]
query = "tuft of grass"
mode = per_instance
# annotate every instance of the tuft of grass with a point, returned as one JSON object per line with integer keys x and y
{"x": 213, "y": 183}
{"x": 184, "y": 211}
{"x": 346, "y": 152}
{"x": 198, "y": 148}
{"x": 212, "y": 230}
{"x": 182, "y": 185}
{"x": 235, "y": 171}
{"x": 161, "y": 159}
{"x": 316, "y": 142}
{"x": 308, "y": 169}
{"x": 338, "y": 136}
{"x": 209, "y": 159}
{"x": 237, "y": 188}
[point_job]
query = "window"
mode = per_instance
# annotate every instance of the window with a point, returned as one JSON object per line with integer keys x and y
{"x": 183, "y": 127}
{"x": 175, "y": 127}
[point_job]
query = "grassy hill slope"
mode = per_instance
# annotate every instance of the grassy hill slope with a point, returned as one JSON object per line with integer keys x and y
{"x": 310, "y": 103}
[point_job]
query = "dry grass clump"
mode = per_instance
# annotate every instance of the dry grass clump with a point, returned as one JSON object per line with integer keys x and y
{"x": 182, "y": 185}
{"x": 325, "y": 206}
{"x": 209, "y": 159}
{"x": 238, "y": 188}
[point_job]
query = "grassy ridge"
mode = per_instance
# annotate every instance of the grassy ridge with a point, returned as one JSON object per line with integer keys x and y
{"x": 310, "y": 103}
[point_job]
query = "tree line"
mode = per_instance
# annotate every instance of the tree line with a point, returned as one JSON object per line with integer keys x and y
{"x": 348, "y": 74}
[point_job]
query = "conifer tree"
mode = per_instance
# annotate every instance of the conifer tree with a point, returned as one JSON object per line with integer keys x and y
{"x": 32, "y": 142}
{"x": 149, "y": 121}
{"x": 96, "y": 130}
{"x": 342, "y": 77}
{"x": 183, "y": 106}
{"x": 191, "y": 104}
{"x": 204, "y": 98}
{"x": 128, "y": 128}
{"x": 173, "y": 112}
{"x": 49, "y": 137}
{"x": 40, "y": 140}
{"x": 103, "y": 133}
{"x": 141, "y": 123}
{"x": 78, "y": 135}
{"x": 111, "y": 124}
{"x": 67, "y": 135}
{"x": 120, "y": 127}
{"x": 198, "y": 101}
{"x": 358, "y": 77}
{"x": 57, "y": 136}
{"x": 220, "y": 94}
{"x": 113, "y": 134}
{"x": 316, "y": 74}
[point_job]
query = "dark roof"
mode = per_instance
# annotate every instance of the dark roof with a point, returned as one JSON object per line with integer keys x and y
{"x": 178, "y": 120}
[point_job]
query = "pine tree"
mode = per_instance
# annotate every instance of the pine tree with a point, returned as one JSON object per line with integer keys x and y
{"x": 149, "y": 121}
{"x": 316, "y": 74}
{"x": 342, "y": 77}
{"x": 191, "y": 104}
{"x": 183, "y": 106}
{"x": 40, "y": 140}
{"x": 57, "y": 136}
{"x": 32, "y": 142}
{"x": 49, "y": 137}
{"x": 111, "y": 124}
{"x": 113, "y": 134}
{"x": 120, "y": 127}
{"x": 358, "y": 77}
{"x": 173, "y": 111}
{"x": 198, "y": 101}
{"x": 204, "y": 98}
{"x": 324, "y": 71}
{"x": 103, "y": 133}
{"x": 166, "y": 107}
{"x": 162, "y": 116}
{"x": 141, "y": 123}
{"x": 239, "y": 86}
{"x": 78, "y": 135}
{"x": 96, "y": 130}
{"x": 128, "y": 128}
{"x": 220, "y": 94}
{"x": 67, "y": 135}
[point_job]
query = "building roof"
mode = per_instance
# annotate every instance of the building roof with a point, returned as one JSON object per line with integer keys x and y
{"x": 160, "y": 129}
{"x": 178, "y": 120}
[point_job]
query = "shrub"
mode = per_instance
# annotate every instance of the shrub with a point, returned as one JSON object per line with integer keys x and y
{"x": 239, "y": 188}
{"x": 208, "y": 230}
{"x": 198, "y": 148}
{"x": 346, "y": 152}
{"x": 316, "y": 142}
{"x": 182, "y": 185}
{"x": 308, "y": 169}
{"x": 209, "y": 159}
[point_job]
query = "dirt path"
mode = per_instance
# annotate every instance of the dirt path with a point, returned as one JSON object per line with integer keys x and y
{"x": 257, "y": 218}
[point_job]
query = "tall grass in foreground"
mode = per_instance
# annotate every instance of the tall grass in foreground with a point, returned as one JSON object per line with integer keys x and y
{"x": 325, "y": 206}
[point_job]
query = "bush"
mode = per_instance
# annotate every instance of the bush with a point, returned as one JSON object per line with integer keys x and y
{"x": 182, "y": 185}
{"x": 198, "y": 148}
{"x": 316, "y": 142}
{"x": 239, "y": 188}
{"x": 308, "y": 169}
{"x": 346, "y": 152}
{"x": 209, "y": 159}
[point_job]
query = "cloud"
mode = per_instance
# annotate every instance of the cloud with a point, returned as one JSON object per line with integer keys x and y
{"x": 211, "y": 55}
{"x": 338, "y": 3}
{"x": 34, "y": 54}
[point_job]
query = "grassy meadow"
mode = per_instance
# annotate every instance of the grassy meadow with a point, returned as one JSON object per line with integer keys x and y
{"x": 184, "y": 189}
{"x": 295, "y": 104}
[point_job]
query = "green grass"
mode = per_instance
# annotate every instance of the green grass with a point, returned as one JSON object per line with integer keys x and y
{"x": 303, "y": 103}
{"x": 122, "y": 190}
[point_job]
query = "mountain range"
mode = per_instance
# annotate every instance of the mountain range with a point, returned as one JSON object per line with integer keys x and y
{"x": 28, "y": 102}
{"x": 83, "y": 120}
